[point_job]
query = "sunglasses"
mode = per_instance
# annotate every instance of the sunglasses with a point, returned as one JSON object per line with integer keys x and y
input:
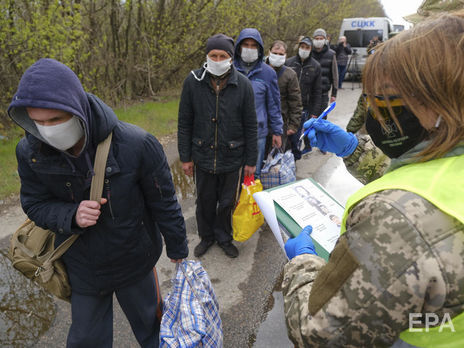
{"x": 395, "y": 101}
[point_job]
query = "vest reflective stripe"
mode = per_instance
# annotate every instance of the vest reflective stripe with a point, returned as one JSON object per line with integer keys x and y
{"x": 440, "y": 182}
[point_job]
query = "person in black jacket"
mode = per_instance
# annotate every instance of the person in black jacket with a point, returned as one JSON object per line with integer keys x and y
{"x": 217, "y": 139}
{"x": 120, "y": 236}
{"x": 342, "y": 51}
{"x": 309, "y": 75}
{"x": 326, "y": 57}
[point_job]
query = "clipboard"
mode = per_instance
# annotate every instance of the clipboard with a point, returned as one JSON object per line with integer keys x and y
{"x": 288, "y": 224}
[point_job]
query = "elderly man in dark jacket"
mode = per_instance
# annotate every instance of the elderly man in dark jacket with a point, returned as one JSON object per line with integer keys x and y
{"x": 290, "y": 94}
{"x": 328, "y": 61}
{"x": 120, "y": 236}
{"x": 217, "y": 139}
{"x": 308, "y": 71}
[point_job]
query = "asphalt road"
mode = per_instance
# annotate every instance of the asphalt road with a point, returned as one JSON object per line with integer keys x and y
{"x": 247, "y": 287}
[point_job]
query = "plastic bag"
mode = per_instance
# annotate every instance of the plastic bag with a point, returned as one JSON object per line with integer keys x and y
{"x": 191, "y": 311}
{"x": 278, "y": 169}
{"x": 247, "y": 217}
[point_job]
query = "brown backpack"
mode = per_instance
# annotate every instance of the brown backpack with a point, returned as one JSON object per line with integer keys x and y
{"x": 32, "y": 250}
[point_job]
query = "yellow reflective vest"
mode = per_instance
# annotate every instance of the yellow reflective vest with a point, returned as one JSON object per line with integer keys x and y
{"x": 441, "y": 182}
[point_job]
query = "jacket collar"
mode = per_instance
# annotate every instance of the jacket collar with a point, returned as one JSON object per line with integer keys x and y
{"x": 232, "y": 77}
{"x": 411, "y": 155}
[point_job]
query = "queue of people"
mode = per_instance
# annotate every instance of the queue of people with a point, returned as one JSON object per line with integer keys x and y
{"x": 402, "y": 235}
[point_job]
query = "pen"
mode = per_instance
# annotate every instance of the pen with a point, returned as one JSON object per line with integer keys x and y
{"x": 324, "y": 113}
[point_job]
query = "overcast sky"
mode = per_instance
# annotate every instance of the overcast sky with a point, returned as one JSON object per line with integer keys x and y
{"x": 396, "y": 9}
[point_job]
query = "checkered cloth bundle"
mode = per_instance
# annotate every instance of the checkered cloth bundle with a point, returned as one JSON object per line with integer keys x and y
{"x": 278, "y": 169}
{"x": 191, "y": 311}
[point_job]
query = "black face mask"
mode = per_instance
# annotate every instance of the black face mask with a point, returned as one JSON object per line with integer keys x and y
{"x": 390, "y": 141}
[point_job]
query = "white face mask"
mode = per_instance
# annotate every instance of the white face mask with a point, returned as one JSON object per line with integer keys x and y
{"x": 276, "y": 59}
{"x": 303, "y": 53}
{"x": 218, "y": 68}
{"x": 249, "y": 55}
{"x": 319, "y": 43}
{"x": 64, "y": 135}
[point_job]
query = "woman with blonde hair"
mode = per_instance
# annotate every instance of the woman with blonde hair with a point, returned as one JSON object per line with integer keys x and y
{"x": 396, "y": 275}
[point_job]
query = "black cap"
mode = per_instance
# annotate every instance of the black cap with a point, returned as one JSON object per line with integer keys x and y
{"x": 220, "y": 42}
{"x": 307, "y": 40}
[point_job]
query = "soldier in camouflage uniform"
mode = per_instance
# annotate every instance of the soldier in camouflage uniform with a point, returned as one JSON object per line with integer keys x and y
{"x": 358, "y": 119}
{"x": 400, "y": 253}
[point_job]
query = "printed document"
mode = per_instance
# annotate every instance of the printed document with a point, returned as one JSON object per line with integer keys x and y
{"x": 308, "y": 204}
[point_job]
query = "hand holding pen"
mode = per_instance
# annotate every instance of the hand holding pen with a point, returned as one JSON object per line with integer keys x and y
{"x": 323, "y": 114}
{"x": 328, "y": 136}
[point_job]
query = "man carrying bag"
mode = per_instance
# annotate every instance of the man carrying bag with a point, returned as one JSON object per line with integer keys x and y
{"x": 120, "y": 236}
{"x": 32, "y": 249}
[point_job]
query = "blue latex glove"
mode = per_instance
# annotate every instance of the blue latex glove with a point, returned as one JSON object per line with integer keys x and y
{"x": 301, "y": 244}
{"x": 329, "y": 137}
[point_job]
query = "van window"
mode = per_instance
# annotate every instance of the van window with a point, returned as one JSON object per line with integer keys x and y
{"x": 361, "y": 38}
{"x": 354, "y": 37}
{"x": 369, "y": 34}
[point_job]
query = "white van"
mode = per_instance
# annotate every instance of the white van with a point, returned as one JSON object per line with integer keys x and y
{"x": 359, "y": 32}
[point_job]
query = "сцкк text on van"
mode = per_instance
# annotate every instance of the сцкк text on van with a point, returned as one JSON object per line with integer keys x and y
{"x": 359, "y": 32}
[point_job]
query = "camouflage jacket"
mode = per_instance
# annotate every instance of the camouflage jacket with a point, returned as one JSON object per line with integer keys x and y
{"x": 367, "y": 162}
{"x": 399, "y": 255}
{"x": 358, "y": 119}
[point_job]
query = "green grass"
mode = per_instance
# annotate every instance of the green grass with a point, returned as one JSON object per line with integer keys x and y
{"x": 9, "y": 179}
{"x": 158, "y": 118}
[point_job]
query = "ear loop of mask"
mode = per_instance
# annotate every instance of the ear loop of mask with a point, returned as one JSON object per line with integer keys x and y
{"x": 437, "y": 124}
{"x": 202, "y": 75}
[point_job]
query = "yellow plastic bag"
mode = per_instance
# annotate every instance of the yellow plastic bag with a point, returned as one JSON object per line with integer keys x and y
{"x": 247, "y": 217}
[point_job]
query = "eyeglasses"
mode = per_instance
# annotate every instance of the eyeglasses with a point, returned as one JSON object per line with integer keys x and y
{"x": 395, "y": 102}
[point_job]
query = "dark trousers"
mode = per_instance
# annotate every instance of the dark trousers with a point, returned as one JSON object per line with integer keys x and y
{"x": 294, "y": 139}
{"x": 92, "y": 316}
{"x": 216, "y": 196}
{"x": 324, "y": 103}
{"x": 341, "y": 74}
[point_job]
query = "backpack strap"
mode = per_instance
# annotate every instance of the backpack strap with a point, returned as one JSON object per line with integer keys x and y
{"x": 96, "y": 189}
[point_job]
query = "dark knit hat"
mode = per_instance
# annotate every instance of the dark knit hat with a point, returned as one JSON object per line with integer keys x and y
{"x": 220, "y": 42}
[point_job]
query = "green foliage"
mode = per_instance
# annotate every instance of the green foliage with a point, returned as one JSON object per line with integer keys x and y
{"x": 124, "y": 50}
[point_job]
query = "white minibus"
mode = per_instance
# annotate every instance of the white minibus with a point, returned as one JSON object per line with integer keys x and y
{"x": 359, "y": 32}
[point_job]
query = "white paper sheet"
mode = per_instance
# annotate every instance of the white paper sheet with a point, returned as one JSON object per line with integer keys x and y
{"x": 307, "y": 204}
{"x": 266, "y": 205}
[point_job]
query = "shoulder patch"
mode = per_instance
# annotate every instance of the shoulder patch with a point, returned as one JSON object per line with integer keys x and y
{"x": 332, "y": 276}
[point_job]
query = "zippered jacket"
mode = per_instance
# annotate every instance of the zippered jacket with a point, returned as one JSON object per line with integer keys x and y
{"x": 290, "y": 97}
{"x": 327, "y": 60}
{"x": 266, "y": 89}
{"x": 142, "y": 206}
{"x": 309, "y": 75}
{"x": 217, "y": 130}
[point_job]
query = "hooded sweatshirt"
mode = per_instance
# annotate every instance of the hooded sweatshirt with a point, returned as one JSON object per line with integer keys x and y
{"x": 264, "y": 81}
{"x": 125, "y": 243}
